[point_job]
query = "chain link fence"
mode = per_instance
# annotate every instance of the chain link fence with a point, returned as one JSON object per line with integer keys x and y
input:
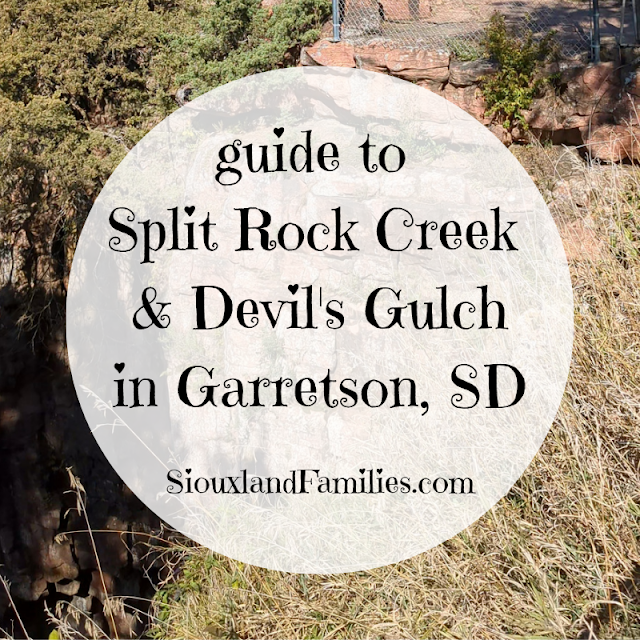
{"x": 458, "y": 26}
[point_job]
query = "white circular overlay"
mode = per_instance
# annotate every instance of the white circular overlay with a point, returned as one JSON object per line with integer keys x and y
{"x": 320, "y": 320}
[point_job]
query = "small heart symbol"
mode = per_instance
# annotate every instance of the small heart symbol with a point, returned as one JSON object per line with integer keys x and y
{"x": 278, "y": 131}
{"x": 188, "y": 470}
{"x": 189, "y": 210}
{"x": 362, "y": 470}
{"x": 293, "y": 288}
{"x": 119, "y": 366}
{"x": 379, "y": 470}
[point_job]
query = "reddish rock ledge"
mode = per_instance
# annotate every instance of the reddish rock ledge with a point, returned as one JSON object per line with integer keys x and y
{"x": 596, "y": 106}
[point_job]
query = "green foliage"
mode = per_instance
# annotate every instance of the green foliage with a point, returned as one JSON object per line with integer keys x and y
{"x": 242, "y": 38}
{"x": 512, "y": 89}
{"x": 81, "y": 81}
{"x": 463, "y": 49}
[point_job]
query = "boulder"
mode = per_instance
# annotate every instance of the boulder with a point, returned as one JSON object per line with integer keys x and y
{"x": 419, "y": 65}
{"x": 102, "y": 585}
{"x": 69, "y": 588}
{"x": 588, "y": 104}
{"x": 627, "y": 110}
{"x": 329, "y": 54}
{"x": 595, "y": 87}
{"x": 501, "y": 133}
{"x": 614, "y": 143}
{"x": 632, "y": 83}
{"x": 306, "y": 60}
{"x": 415, "y": 66}
{"x": 469, "y": 99}
{"x": 521, "y": 134}
{"x": 372, "y": 58}
{"x": 549, "y": 113}
{"x": 465, "y": 74}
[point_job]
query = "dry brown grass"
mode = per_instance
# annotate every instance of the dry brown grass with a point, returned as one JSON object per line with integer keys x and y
{"x": 559, "y": 556}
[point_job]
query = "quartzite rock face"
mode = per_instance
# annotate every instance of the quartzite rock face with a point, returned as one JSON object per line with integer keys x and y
{"x": 466, "y": 74}
{"x": 469, "y": 99}
{"x": 409, "y": 65}
{"x": 594, "y": 88}
{"x": 596, "y": 105}
{"x": 418, "y": 65}
{"x": 329, "y": 54}
{"x": 406, "y": 64}
{"x": 42, "y": 433}
{"x": 614, "y": 142}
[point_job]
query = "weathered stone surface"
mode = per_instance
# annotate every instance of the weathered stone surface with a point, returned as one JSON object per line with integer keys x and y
{"x": 436, "y": 87}
{"x": 627, "y": 110}
{"x": 597, "y": 76}
{"x": 632, "y": 83}
{"x": 81, "y": 604}
{"x": 501, "y": 133}
{"x": 68, "y": 588}
{"x": 584, "y": 98}
{"x": 549, "y": 113}
{"x": 43, "y": 431}
{"x": 595, "y": 87}
{"x": 575, "y": 121}
{"x": 469, "y": 99}
{"x": 465, "y": 74}
{"x": 629, "y": 54}
{"x": 406, "y": 64}
{"x": 102, "y": 585}
{"x": 614, "y": 143}
{"x": 419, "y": 65}
{"x": 58, "y": 562}
{"x": 306, "y": 60}
{"x": 330, "y": 54}
{"x": 588, "y": 104}
{"x": 372, "y": 58}
{"x": 589, "y": 97}
{"x": 521, "y": 134}
{"x": 77, "y": 616}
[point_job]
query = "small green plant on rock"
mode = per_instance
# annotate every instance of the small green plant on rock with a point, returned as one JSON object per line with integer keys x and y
{"x": 463, "y": 49}
{"x": 512, "y": 88}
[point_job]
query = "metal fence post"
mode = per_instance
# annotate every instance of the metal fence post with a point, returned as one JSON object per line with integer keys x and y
{"x": 596, "y": 31}
{"x": 336, "y": 20}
